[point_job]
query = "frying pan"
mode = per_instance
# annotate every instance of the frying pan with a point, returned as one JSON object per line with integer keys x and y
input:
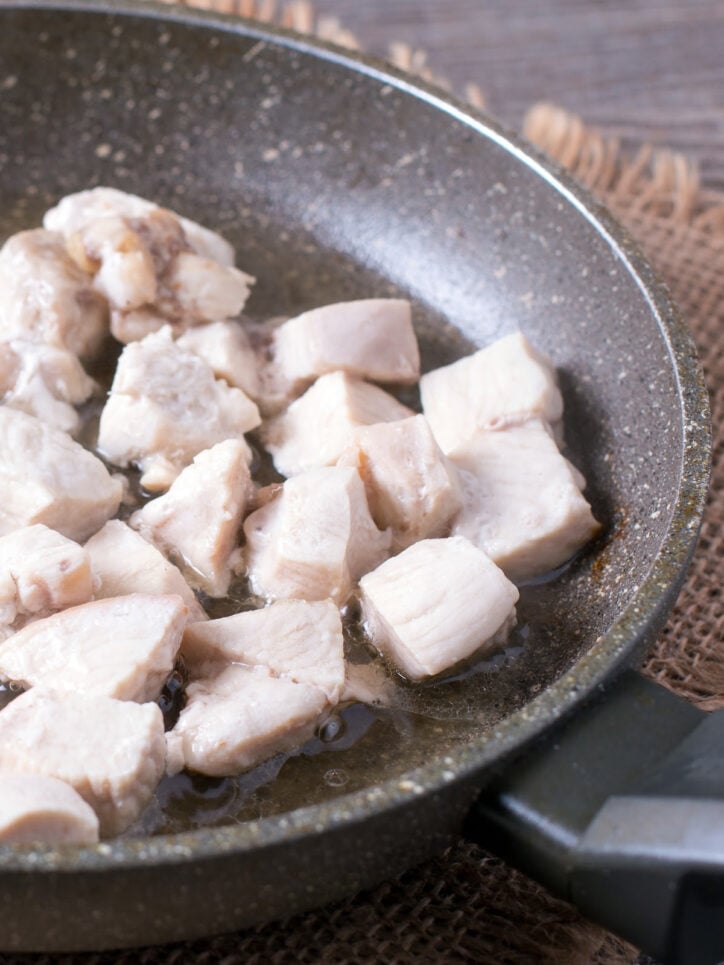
{"x": 336, "y": 177}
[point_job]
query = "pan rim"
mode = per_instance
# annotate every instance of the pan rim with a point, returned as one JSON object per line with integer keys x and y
{"x": 617, "y": 648}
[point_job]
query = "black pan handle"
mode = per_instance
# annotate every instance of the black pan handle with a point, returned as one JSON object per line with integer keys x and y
{"x": 621, "y": 811}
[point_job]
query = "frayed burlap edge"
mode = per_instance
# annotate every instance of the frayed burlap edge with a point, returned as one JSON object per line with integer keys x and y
{"x": 652, "y": 182}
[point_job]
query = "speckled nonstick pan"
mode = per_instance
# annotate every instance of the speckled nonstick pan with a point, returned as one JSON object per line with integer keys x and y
{"x": 338, "y": 178}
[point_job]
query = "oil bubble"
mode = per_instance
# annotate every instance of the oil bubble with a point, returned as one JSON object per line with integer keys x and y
{"x": 335, "y": 777}
{"x": 332, "y": 729}
{"x": 351, "y": 611}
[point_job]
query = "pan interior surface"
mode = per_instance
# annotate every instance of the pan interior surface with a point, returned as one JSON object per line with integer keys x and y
{"x": 334, "y": 183}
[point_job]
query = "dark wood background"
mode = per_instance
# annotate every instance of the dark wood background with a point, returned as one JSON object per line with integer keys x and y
{"x": 638, "y": 69}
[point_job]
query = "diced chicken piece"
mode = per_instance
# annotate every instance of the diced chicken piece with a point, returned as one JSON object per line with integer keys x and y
{"x": 197, "y": 522}
{"x": 41, "y": 572}
{"x": 8, "y": 604}
{"x": 316, "y": 427}
{"x": 372, "y": 339}
{"x": 76, "y": 211}
{"x": 123, "y": 647}
{"x": 367, "y": 683}
{"x": 411, "y": 487}
{"x": 243, "y": 716}
{"x": 501, "y": 385}
{"x": 315, "y": 539}
{"x": 46, "y": 297}
{"x": 46, "y": 477}
{"x": 291, "y": 638}
{"x": 436, "y": 604}
{"x": 225, "y": 347}
{"x": 10, "y": 368}
{"x": 44, "y": 810}
{"x": 209, "y": 244}
{"x": 523, "y": 503}
{"x": 112, "y": 752}
{"x": 43, "y": 381}
{"x": 146, "y": 266}
{"x": 165, "y": 407}
{"x": 204, "y": 290}
{"x": 123, "y": 265}
{"x": 123, "y": 562}
{"x": 150, "y": 277}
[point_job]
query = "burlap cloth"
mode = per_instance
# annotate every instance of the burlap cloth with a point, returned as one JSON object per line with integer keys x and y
{"x": 466, "y": 906}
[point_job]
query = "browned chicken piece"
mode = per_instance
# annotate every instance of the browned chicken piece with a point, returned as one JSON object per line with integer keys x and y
{"x": 112, "y": 752}
{"x": 240, "y": 717}
{"x": 197, "y": 522}
{"x": 43, "y": 810}
{"x": 504, "y": 384}
{"x": 41, "y": 572}
{"x": 124, "y": 647}
{"x": 165, "y": 406}
{"x": 523, "y": 502}
{"x": 437, "y": 603}
{"x": 291, "y": 638}
{"x": 44, "y": 381}
{"x": 225, "y": 347}
{"x": 372, "y": 339}
{"x": 315, "y": 539}
{"x": 46, "y": 477}
{"x": 411, "y": 487}
{"x": 124, "y": 562}
{"x": 146, "y": 265}
{"x": 317, "y": 427}
{"x": 46, "y": 297}
{"x": 75, "y": 211}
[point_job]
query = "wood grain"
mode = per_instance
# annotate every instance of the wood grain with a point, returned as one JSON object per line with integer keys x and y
{"x": 637, "y": 69}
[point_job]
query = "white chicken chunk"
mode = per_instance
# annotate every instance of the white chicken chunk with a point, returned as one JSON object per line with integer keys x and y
{"x": 315, "y": 428}
{"x": 437, "y": 603}
{"x": 46, "y": 297}
{"x": 112, "y": 752}
{"x": 504, "y": 384}
{"x": 41, "y": 572}
{"x": 44, "y": 810}
{"x": 367, "y": 683}
{"x": 146, "y": 265}
{"x": 165, "y": 406}
{"x": 225, "y": 347}
{"x": 10, "y": 364}
{"x": 523, "y": 503}
{"x": 124, "y": 647}
{"x": 75, "y": 211}
{"x": 44, "y": 381}
{"x": 315, "y": 539}
{"x": 411, "y": 487}
{"x": 197, "y": 522}
{"x": 46, "y": 477}
{"x": 291, "y": 638}
{"x": 239, "y": 718}
{"x": 372, "y": 339}
{"x": 204, "y": 290}
{"x": 124, "y": 562}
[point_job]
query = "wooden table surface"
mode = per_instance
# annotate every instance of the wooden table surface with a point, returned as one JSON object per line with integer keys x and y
{"x": 637, "y": 69}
